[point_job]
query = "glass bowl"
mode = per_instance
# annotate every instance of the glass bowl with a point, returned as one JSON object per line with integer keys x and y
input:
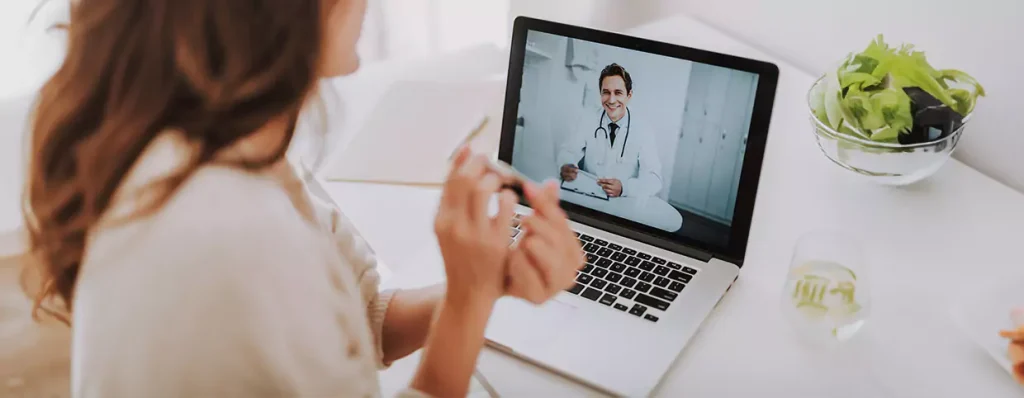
{"x": 882, "y": 162}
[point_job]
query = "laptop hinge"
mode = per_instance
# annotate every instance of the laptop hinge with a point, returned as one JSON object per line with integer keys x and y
{"x": 652, "y": 240}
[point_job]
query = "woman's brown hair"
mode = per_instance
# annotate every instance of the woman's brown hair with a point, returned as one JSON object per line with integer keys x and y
{"x": 216, "y": 71}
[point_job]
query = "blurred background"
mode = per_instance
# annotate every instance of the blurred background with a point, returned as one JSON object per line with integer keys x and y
{"x": 981, "y": 37}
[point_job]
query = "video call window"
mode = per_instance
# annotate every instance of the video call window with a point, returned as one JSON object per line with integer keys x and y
{"x": 644, "y": 137}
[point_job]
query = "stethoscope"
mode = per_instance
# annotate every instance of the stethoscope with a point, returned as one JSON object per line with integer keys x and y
{"x": 600, "y": 127}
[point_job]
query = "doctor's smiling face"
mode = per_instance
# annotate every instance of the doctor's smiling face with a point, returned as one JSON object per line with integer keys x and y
{"x": 616, "y": 91}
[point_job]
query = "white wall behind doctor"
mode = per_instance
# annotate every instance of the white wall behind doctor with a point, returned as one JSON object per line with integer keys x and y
{"x": 556, "y": 99}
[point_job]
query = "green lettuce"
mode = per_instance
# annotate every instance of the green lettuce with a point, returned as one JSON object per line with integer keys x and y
{"x": 864, "y": 97}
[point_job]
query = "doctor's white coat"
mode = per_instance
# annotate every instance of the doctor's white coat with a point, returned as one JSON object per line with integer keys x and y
{"x": 638, "y": 167}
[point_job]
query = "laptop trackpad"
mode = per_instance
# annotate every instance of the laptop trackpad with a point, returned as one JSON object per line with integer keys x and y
{"x": 520, "y": 324}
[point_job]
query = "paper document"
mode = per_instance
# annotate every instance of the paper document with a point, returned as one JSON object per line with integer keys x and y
{"x": 413, "y": 130}
{"x": 585, "y": 183}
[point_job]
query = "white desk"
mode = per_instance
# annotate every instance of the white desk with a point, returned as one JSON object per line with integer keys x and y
{"x": 926, "y": 241}
{"x": 649, "y": 210}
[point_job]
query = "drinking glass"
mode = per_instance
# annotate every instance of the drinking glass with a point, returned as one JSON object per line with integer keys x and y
{"x": 826, "y": 292}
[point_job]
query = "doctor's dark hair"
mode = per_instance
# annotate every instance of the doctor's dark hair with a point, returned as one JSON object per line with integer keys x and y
{"x": 616, "y": 70}
{"x": 215, "y": 71}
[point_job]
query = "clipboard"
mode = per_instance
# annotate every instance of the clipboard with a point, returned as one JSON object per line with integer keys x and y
{"x": 580, "y": 186}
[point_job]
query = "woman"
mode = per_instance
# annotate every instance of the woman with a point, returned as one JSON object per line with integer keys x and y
{"x": 189, "y": 257}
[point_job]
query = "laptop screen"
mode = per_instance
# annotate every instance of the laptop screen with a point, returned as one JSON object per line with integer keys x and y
{"x": 644, "y": 137}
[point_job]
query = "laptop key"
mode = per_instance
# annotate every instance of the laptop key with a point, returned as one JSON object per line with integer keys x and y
{"x": 591, "y": 258}
{"x": 577, "y": 234}
{"x": 604, "y": 262}
{"x": 576, "y": 288}
{"x": 676, "y": 287}
{"x": 600, "y": 242}
{"x": 632, "y": 261}
{"x": 584, "y": 278}
{"x": 637, "y": 310}
{"x": 598, "y": 283}
{"x": 634, "y": 272}
{"x": 512, "y": 232}
{"x": 627, "y": 293}
{"x": 629, "y": 251}
{"x": 661, "y": 281}
{"x": 651, "y": 318}
{"x": 621, "y": 307}
{"x": 679, "y": 276}
{"x": 643, "y": 287}
{"x": 628, "y": 282}
{"x": 612, "y": 288}
{"x": 591, "y": 248}
{"x": 651, "y": 301}
{"x": 658, "y": 260}
{"x": 618, "y": 267}
{"x": 644, "y": 256}
{"x": 661, "y": 270}
{"x": 618, "y": 256}
{"x": 647, "y": 266}
{"x": 591, "y": 294}
{"x": 613, "y": 277}
{"x": 586, "y": 238}
{"x": 647, "y": 277}
{"x": 689, "y": 270}
{"x": 674, "y": 265}
{"x": 587, "y": 268}
{"x": 604, "y": 252}
{"x": 663, "y": 294}
{"x": 599, "y": 272}
{"x": 607, "y": 299}
{"x": 614, "y": 246}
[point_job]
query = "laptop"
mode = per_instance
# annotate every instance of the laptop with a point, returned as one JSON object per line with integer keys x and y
{"x": 680, "y": 169}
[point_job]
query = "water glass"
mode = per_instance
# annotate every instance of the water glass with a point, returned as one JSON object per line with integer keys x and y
{"x": 826, "y": 292}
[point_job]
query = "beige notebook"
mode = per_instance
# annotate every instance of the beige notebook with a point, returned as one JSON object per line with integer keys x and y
{"x": 415, "y": 128}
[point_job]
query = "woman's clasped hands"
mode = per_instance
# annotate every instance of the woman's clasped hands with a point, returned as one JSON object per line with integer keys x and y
{"x": 480, "y": 264}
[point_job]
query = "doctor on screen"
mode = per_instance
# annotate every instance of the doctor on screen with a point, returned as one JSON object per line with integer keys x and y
{"x": 613, "y": 147}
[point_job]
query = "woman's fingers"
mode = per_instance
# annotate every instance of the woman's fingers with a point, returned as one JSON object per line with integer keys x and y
{"x": 543, "y": 259}
{"x": 542, "y": 199}
{"x": 526, "y": 281}
{"x": 507, "y": 201}
{"x": 460, "y": 157}
{"x": 459, "y": 185}
{"x": 484, "y": 188}
{"x": 1015, "y": 335}
{"x": 540, "y": 226}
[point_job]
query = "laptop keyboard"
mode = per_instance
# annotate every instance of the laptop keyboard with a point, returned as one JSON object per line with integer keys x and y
{"x": 625, "y": 279}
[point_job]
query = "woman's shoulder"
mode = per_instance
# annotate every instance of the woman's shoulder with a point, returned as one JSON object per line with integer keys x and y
{"x": 217, "y": 217}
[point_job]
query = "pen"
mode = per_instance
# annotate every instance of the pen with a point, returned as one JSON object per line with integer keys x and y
{"x": 469, "y": 138}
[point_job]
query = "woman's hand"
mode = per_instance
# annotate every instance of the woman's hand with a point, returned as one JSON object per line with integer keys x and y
{"x": 475, "y": 250}
{"x": 548, "y": 255}
{"x": 474, "y": 245}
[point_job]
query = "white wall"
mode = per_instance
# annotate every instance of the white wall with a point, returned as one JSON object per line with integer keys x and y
{"x": 983, "y": 37}
{"x": 30, "y": 53}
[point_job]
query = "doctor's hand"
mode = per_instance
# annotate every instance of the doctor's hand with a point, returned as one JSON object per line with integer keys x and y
{"x": 548, "y": 255}
{"x": 611, "y": 186}
{"x": 568, "y": 172}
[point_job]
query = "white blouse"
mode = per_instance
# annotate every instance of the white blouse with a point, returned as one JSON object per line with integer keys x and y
{"x": 241, "y": 285}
